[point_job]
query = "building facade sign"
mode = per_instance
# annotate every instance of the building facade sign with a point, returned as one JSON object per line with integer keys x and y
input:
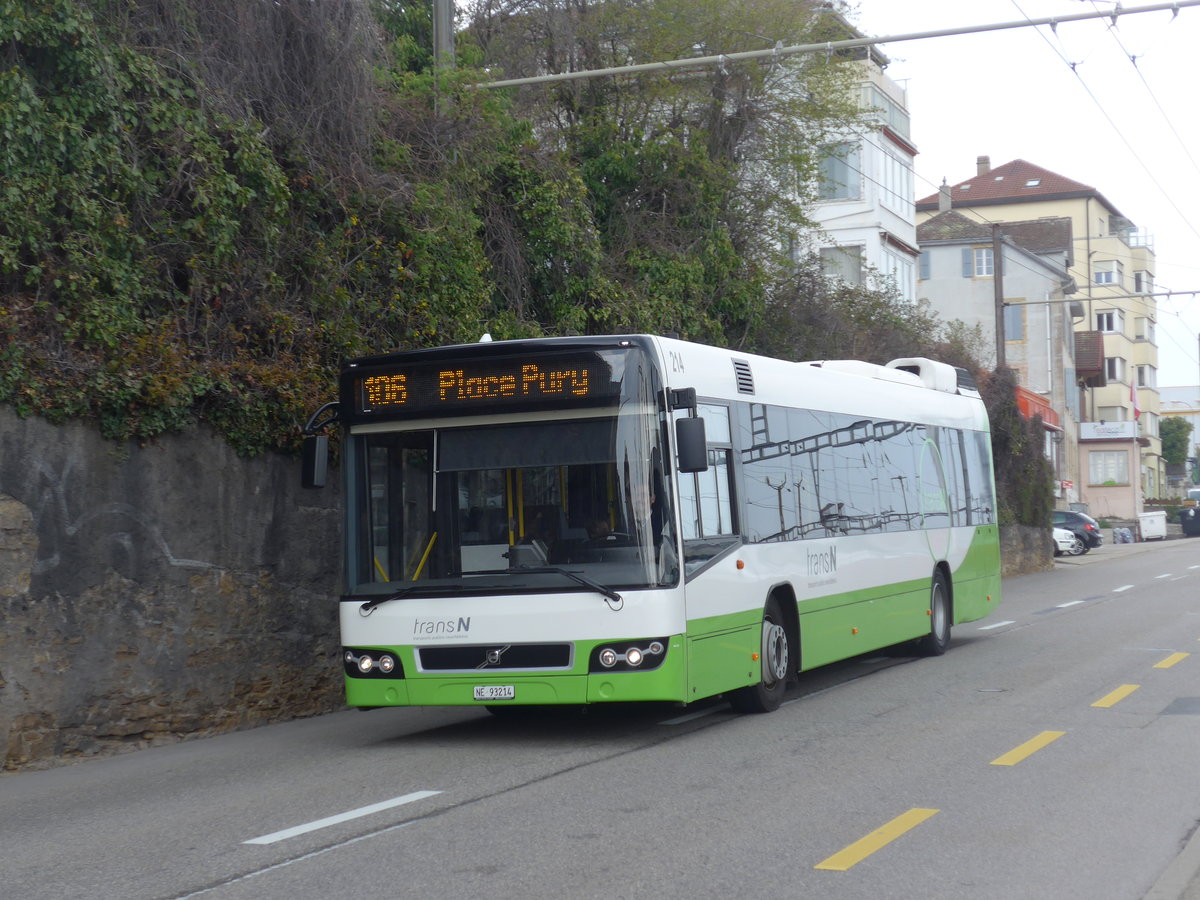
{"x": 1107, "y": 431}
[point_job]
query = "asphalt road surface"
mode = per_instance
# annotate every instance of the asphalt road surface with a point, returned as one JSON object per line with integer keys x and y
{"x": 1053, "y": 752}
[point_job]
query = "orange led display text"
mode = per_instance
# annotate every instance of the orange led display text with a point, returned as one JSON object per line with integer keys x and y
{"x": 510, "y": 382}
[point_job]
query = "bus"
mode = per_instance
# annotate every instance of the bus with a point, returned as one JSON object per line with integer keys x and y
{"x": 581, "y": 520}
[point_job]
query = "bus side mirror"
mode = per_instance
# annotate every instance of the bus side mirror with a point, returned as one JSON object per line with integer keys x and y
{"x": 691, "y": 445}
{"x": 315, "y": 461}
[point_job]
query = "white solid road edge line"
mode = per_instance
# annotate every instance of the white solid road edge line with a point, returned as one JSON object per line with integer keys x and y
{"x": 341, "y": 817}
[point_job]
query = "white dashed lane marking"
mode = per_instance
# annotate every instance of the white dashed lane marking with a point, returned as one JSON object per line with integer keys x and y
{"x": 341, "y": 817}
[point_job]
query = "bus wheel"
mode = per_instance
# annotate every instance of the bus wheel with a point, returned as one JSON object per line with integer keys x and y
{"x": 776, "y": 656}
{"x": 935, "y": 643}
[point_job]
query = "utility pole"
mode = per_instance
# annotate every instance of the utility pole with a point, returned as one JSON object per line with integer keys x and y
{"x": 443, "y": 46}
{"x": 443, "y": 34}
{"x": 998, "y": 290}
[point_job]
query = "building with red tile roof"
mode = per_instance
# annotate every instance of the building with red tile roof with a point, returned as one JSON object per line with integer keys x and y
{"x": 1112, "y": 264}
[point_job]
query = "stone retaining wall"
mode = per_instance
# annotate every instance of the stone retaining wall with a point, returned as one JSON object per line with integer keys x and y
{"x": 154, "y": 592}
{"x": 1025, "y": 549}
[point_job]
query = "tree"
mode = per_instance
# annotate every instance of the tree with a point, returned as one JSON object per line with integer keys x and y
{"x": 1024, "y": 479}
{"x": 695, "y": 177}
{"x": 1176, "y": 434}
{"x": 810, "y": 316}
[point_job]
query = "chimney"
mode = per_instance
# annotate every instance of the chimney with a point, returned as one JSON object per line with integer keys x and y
{"x": 983, "y": 165}
{"x": 943, "y": 196}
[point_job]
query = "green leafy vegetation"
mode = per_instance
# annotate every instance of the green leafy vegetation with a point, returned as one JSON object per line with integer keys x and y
{"x": 1024, "y": 480}
{"x": 1176, "y": 434}
{"x": 207, "y": 206}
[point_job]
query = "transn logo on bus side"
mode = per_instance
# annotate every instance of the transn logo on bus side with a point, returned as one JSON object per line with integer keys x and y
{"x": 823, "y": 562}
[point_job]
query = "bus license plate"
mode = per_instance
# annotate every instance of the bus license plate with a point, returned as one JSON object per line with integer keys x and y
{"x": 495, "y": 692}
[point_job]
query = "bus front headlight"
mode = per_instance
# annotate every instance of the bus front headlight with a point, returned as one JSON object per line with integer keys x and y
{"x": 626, "y": 656}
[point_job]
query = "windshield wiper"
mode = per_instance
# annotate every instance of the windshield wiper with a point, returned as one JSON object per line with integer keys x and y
{"x": 370, "y": 605}
{"x": 614, "y": 600}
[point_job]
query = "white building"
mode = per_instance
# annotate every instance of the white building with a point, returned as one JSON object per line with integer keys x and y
{"x": 865, "y": 211}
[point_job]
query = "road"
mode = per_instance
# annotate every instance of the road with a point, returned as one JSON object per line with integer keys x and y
{"x": 1051, "y": 753}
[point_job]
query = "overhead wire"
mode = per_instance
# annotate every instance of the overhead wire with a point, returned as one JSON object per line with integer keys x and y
{"x": 980, "y": 216}
{"x": 1074, "y": 67}
{"x": 1189, "y": 352}
{"x": 1132, "y": 60}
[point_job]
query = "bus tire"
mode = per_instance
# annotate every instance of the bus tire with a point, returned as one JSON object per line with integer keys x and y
{"x": 777, "y": 657}
{"x": 935, "y": 643}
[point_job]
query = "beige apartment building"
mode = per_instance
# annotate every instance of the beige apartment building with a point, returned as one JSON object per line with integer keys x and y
{"x": 1116, "y": 358}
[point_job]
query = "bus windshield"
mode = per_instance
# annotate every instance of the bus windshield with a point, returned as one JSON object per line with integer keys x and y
{"x": 498, "y": 507}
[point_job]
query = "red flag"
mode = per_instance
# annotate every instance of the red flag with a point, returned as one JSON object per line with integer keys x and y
{"x": 1133, "y": 398}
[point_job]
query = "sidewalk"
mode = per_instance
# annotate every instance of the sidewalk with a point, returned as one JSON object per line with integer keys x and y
{"x": 1181, "y": 881}
{"x": 1109, "y": 550}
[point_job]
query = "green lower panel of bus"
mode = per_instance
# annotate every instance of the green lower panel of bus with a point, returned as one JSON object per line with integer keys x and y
{"x": 666, "y": 682}
{"x": 851, "y": 628}
{"x": 722, "y": 655}
{"x": 976, "y": 582}
{"x": 727, "y": 658}
{"x": 832, "y": 627}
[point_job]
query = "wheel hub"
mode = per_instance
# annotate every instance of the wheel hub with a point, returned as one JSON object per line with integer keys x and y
{"x": 774, "y": 652}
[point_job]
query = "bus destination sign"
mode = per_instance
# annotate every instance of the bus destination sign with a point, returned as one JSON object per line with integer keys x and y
{"x": 491, "y": 383}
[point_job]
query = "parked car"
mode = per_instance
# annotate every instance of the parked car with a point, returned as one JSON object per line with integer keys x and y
{"x": 1087, "y": 528}
{"x": 1068, "y": 542}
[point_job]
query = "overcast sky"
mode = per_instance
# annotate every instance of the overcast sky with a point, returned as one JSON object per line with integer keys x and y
{"x": 1128, "y": 128}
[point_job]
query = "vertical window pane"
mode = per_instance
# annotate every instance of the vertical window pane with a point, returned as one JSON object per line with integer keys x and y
{"x": 1014, "y": 323}
{"x": 984, "y": 267}
{"x": 718, "y": 462}
{"x": 1108, "y": 467}
{"x": 716, "y": 423}
{"x": 689, "y": 506}
{"x": 840, "y": 175}
{"x": 842, "y": 262}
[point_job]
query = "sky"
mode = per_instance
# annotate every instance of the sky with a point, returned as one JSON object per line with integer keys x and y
{"x": 1070, "y": 100}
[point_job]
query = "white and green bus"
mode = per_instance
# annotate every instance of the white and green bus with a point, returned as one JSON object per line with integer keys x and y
{"x": 637, "y": 518}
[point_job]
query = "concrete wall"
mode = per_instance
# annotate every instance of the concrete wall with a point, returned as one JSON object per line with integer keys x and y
{"x": 158, "y": 591}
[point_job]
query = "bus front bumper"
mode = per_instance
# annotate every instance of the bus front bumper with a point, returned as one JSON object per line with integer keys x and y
{"x": 666, "y": 682}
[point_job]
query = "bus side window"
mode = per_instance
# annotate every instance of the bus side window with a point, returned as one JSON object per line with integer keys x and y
{"x": 705, "y": 500}
{"x": 715, "y": 504}
{"x": 706, "y": 497}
